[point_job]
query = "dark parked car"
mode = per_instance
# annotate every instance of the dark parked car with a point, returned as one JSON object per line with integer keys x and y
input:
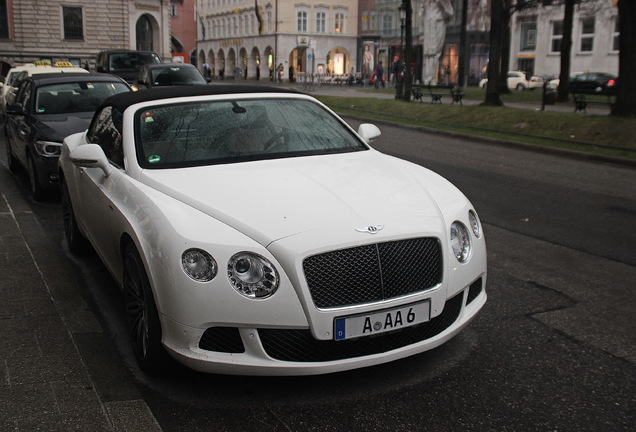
{"x": 167, "y": 74}
{"x": 598, "y": 82}
{"x": 124, "y": 63}
{"x": 46, "y": 109}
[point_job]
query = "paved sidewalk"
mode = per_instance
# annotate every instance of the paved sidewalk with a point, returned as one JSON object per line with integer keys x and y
{"x": 50, "y": 376}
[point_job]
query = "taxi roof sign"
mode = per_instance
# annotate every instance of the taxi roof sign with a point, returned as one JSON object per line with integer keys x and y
{"x": 63, "y": 64}
{"x": 42, "y": 63}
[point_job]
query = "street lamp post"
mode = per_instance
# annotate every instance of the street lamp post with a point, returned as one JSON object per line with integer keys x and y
{"x": 399, "y": 79}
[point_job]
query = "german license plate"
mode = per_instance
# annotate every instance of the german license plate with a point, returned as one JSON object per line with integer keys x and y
{"x": 354, "y": 326}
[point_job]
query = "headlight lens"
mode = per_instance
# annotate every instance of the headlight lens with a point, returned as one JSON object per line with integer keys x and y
{"x": 474, "y": 223}
{"x": 460, "y": 241}
{"x": 199, "y": 265}
{"x": 252, "y": 275}
{"x": 48, "y": 148}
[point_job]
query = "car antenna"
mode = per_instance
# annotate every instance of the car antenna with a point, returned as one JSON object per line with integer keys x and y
{"x": 238, "y": 109}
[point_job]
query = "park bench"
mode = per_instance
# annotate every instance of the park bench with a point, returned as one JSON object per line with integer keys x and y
{"x": 437, "y": 91}
{"x": 582, "y": 100}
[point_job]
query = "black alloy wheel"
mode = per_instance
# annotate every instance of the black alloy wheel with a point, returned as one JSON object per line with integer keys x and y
{"x": 76, "y": 241}
{"x": 144, "y": 327}
{"x": 36, "y": 188}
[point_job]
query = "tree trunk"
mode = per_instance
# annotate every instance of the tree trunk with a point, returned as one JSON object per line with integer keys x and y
{"x": 566, "y": 50}
{"x": 493, "y": 97}
{"x": 504, "y": 67}
{"x": 626, "y": 99}
{"x": 408, "y": 51}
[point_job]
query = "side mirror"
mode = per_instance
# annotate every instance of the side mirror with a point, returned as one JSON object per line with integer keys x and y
{"x": 369, "y": 132}
{"x": 90, "y": 156}
{"x": 15, "y": 109}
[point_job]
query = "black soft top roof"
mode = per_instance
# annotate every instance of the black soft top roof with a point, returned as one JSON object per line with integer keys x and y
{"x": 122, "y": 101}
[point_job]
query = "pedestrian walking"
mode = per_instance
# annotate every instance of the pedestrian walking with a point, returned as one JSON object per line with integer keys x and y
{"x": 378, "y": 73}
{"x": 397, "y": 70}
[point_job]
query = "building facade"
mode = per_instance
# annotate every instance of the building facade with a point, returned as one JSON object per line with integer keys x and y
{"x": 537, "y": 35}
{"x": 59, "y": 30}
{"x": 183, "y": 31}
{"x": 262, "y": 39}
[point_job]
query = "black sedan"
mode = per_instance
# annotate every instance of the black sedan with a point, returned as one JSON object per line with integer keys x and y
{"x": 597, "y": 82}
{"x": 167, "y": 74}
{"x": 46, "y": 109}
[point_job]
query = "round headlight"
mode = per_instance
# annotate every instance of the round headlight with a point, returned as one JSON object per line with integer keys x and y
{"x": 460, "y": 241}
{"x": 198, "y": 265}
{"x": 474, "y": 223}
{"x": 252, "y": 275}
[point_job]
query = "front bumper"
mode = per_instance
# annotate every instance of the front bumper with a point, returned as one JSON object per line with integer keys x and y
{"x": 285, "y": 351}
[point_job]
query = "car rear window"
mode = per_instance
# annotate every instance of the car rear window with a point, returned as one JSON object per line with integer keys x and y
{"x": 130, "y": 61}
{"x": 75, "y": 96}
{"x": 213, "y": 132}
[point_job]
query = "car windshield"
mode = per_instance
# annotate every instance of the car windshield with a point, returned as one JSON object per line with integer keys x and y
{"x": 122, "y": 62}
{"x": 176, "y": 75}
{"x": 214, "y": 132}
{"x": 75, "y": 97}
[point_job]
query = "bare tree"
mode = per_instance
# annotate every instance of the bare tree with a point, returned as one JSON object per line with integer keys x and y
{"x": 408, "y": 51}
{"x": 493, "y": 96}
{"x": 566, "y": 51}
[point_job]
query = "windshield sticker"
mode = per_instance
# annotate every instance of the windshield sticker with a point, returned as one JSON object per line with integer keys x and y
{"x": 148, "y": 117}
{"x": 154, "y": 158}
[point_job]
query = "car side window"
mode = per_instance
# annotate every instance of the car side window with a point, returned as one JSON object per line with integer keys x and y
{"x": 105, "y": 131}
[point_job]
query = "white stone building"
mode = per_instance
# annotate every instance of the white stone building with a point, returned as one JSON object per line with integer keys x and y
{"x": 537, "y": 34}
{"x": 237, "y": 39}
{"x": 75, "y": 31}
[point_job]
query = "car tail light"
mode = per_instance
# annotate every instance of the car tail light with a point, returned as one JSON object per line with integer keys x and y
{"x": 611, "y": 82}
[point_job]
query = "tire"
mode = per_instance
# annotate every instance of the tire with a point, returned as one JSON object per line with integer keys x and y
{"x": 520, "y": 87}
{"x": 76, "y": 241}
{"x": 36, "y": 188}
{"x": 144, "y": 327}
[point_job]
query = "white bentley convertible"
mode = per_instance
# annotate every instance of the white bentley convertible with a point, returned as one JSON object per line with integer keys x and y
{"x": 254, "y": 232}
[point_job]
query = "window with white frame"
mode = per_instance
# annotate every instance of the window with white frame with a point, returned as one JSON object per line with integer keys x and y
{"x": 339, "y": 20}
{"x": 587, "y": 34}
{"x": 387, "y": 24}
{"x": 301, "y": 24}
{"x": 556, "y": 37}
{"x": 321, "y": 22}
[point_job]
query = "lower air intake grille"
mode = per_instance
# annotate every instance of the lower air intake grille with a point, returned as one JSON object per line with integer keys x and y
{"x": 222, "y": 339}
{"x": 301, "y": 346}
{"x": 375, "y": 272}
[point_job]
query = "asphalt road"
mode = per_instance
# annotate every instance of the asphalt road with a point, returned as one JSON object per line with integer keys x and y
{"x": 554, "y": 349}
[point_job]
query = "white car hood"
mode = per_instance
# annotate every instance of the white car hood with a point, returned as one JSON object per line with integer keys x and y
{"x": 273, "y": 199}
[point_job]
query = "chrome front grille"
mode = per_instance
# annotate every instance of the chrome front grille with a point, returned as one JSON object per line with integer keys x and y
{"x": 371, "y": 273}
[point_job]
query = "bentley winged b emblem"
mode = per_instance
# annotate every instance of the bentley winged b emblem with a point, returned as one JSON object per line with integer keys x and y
{"x": 371, "y": 229}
